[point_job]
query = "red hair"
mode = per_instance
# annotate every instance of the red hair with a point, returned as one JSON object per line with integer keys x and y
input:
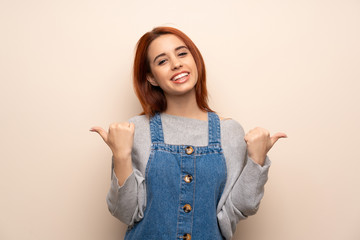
{"x": 152, "y": 98}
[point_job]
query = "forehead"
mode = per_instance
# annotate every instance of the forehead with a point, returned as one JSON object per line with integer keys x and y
{"x": 164, "y": 44}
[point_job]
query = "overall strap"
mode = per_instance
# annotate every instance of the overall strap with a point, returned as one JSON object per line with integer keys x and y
{"x": 214, "y": 128}
{"x": 156, "y": 130}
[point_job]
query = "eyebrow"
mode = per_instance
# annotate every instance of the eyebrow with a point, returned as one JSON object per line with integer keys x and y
{"x": 163, "y": 54}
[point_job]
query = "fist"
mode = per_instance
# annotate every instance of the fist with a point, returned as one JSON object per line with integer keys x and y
{"x": 259, "y": 142}
{"x": 120, "y": 138}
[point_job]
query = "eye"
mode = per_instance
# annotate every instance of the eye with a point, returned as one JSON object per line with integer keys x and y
{"x": 183, "y": 54}
{"x": 161, "y": 62}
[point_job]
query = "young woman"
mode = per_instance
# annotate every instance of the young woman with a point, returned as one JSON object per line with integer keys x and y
{"x": 179, "y": 171}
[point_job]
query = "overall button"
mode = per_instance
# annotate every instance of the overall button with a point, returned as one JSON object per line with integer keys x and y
{"x": 188, "y": 178}
{"x": 189, "y": 150}
{"x": 187, "y": 208}
{"x": 187, "y": 236}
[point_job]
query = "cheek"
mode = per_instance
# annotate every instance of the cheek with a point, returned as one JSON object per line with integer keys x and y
{"x": 156, "y": 73}
{"x": 160, "y": 76}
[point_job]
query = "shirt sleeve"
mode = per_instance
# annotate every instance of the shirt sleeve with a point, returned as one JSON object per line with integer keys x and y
{"x": 127, "y": 202}
{"x": 249, "y": 188}
{"x": 246, "y": 179}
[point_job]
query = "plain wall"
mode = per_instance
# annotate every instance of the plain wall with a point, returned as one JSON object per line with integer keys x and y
{"x": 291, "y": 66}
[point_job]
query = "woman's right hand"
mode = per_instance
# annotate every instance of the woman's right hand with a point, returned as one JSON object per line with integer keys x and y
{"x": 119, "y": 138}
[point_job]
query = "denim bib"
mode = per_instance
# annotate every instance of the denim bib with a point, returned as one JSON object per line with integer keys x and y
{"x": 183, "y": 186}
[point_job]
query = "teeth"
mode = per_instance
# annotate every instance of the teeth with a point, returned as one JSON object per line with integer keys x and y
{"x": 180, "y": 76}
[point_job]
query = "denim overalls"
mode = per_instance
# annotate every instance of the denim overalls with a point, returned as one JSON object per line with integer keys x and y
{"x": 184, "y": 185}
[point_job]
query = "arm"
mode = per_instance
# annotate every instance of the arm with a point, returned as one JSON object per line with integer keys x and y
{"x": 244, "y": 197}
{"x": 255, "y": 174}
{"x": 249, "y": 188}
{"x": 246, "y": 179}
{"x": 127, "y": 184}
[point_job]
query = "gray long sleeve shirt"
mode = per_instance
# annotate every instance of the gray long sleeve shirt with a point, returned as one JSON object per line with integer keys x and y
{"x": 244, "y": 187}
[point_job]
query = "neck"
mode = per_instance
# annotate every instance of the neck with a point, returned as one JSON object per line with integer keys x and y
{"x": 185, "y": 106}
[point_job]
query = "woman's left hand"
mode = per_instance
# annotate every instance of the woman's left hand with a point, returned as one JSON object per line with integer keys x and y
{"x": 259, "y": 142}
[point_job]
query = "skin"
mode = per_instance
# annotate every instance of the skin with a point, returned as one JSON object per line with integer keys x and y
{"x": 168, "y": 56}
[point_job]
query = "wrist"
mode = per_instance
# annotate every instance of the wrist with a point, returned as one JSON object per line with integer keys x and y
{"x": 122, "y": 173}
{"x": 258, "y": 159}
{"x": 121, "y": 157}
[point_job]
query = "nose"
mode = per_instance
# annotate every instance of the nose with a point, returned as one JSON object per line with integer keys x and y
{"x": 176, "y": 64}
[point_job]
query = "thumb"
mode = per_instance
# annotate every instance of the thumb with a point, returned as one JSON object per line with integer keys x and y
{"x": 276, "y": 137}
{"x": 101, "y": 132}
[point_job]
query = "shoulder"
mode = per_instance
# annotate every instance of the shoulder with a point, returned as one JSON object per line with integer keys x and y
{"x": 139, "y": 120}
{"x": 231, "y": 127}
{"x": 142, "y": 134}
{"x": 232, "y": 138}
{"x": 141, "y": 123}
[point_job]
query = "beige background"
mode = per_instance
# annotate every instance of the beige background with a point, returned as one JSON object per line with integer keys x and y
{"x": 289, "y": 66}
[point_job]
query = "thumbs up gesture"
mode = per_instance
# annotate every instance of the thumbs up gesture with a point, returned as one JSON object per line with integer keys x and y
{"x": 119, "y": 138}
{"x": 259, "y": 142}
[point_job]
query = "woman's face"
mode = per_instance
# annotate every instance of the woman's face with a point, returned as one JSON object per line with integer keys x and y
{"x": 172, "y": 66}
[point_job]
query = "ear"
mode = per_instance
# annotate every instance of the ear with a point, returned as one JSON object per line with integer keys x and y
{"x": 151, "y": 80}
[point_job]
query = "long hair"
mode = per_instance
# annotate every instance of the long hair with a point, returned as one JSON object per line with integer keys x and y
{"x": 152, "y": 98}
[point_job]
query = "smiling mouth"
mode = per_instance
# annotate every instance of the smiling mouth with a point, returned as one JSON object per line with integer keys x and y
{"x": 180, "y": 76}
